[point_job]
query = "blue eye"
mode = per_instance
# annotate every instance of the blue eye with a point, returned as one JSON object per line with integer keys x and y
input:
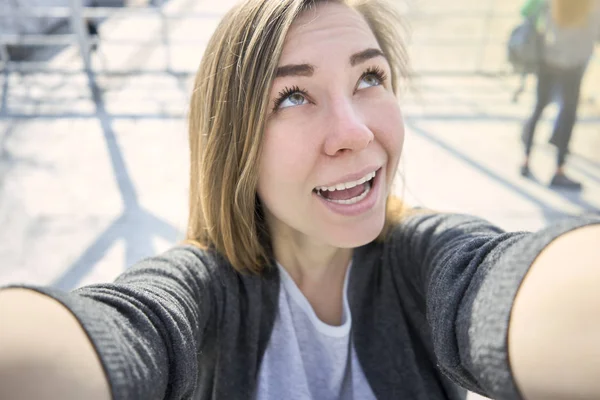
{"x": 373, "y": 76}
{"x": 368, "y": 81}
{"x": 294, "y": 99}
{"x": 290, "y": 97}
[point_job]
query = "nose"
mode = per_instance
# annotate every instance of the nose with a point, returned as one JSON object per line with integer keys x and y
{"x": 347, "y": 130}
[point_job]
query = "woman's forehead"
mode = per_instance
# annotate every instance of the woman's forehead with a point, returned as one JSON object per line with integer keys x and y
{"x": 327, "y": 23}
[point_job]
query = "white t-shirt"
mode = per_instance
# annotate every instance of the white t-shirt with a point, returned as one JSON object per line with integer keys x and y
{"x": 307, "y": 358}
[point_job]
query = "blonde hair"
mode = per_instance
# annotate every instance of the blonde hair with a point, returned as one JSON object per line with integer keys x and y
{"x": 571, "y": 13}
{"x": 227, "y": 119}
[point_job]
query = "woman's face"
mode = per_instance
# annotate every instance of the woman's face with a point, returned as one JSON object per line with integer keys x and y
{"x": 334, "y": 135}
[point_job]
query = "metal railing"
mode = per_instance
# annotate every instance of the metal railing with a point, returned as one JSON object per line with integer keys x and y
{"x": 472, "y": 40}
{"x": 77, "y": 15}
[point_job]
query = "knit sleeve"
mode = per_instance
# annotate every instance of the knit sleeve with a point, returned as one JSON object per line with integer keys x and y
{"x": 148, "y": 326}
{"x": 466, "y": 273}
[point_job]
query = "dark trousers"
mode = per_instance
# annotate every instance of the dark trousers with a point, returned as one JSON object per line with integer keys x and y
{"x": 564, "y": 86}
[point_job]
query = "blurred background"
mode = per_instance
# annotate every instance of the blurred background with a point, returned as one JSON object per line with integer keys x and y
{"x": 93, "y": 141}
{"x": 93, "y": 146}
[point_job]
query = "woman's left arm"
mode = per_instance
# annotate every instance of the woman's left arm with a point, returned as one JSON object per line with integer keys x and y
{"x": 554, "y": 331}
{"x": 502, "y": 308}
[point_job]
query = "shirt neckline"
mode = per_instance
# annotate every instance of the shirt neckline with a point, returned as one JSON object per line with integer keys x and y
{"x": 296, "y": 294}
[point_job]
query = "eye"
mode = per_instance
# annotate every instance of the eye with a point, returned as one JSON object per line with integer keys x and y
{"x": 290, "y": 97}
{"x": 371, "y": 77}
{"x": 294, "y": 99}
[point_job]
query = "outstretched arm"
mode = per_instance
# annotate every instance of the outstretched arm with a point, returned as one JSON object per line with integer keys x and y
{"x": 136, "y": 338}
{"x": 554, "y": 333}
{"x": 503, "y": 308}
{"x": 44, "y": 351}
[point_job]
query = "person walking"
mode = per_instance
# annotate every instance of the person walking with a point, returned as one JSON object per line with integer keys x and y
{"x": 568, "y": 30}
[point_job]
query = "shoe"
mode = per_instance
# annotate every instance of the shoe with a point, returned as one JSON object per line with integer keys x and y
{"x": 525, "y": 172}
{"x": 563, "y": 181}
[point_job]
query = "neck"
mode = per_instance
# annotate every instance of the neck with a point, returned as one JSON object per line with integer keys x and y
{"x": 318, "y": 269}
{"x": 309, "y": 262}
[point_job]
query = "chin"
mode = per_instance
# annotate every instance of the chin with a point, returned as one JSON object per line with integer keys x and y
{"x": 357, "y": 235}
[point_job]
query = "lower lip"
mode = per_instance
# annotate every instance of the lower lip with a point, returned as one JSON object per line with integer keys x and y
{"x": 366, "y": 204}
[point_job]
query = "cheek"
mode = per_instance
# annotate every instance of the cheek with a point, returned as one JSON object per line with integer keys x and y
{"x": 281, "y": 150}
{"x": 286, "y": 156}
{"x": 397, "y": 139}
{"x": 385, "y": 119}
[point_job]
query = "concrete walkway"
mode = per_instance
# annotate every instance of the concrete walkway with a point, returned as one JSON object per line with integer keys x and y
{"x": 90, "y": 182}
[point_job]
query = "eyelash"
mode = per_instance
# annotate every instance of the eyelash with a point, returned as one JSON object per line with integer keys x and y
{"x": 288, "y": 91}
{"x": 378, "y": 72}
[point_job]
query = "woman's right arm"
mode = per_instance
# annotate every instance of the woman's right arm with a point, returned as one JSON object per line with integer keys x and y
{"x": 136, "y": 338}
{"x": 44, "y": 351}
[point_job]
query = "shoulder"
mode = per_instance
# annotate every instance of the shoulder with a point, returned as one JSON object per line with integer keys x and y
{"x": 180, "y": 260}
{"x": 419, "y": 224}
{"x": 423, "y": 237}
{"x": 204, "y": 274}
{"x": 189, "y": 267}
{"x": 214, "y": 268}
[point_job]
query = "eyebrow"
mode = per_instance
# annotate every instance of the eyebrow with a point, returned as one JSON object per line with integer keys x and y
{"x": 309, "y": 70}
{"x": 365, "y": 55}
{"x": 295, "y": 70}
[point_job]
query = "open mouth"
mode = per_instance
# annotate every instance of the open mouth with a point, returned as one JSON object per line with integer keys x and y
{"x": 347, "y": 192}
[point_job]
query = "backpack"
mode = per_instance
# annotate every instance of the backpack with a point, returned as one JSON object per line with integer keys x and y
{"x": 525, "y": 47}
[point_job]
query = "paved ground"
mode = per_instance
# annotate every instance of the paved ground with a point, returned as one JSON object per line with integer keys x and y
{"x": 91, "y": 182}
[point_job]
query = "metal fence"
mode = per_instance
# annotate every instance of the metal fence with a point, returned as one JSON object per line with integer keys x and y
{"x": 464, "y": 37}
{"x": 446, "y": 40}
{"x": 77, "y": 16}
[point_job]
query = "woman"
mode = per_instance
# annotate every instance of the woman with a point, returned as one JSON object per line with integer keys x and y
{"x": 301, "y": 277}
{"x": 568, "y": 31}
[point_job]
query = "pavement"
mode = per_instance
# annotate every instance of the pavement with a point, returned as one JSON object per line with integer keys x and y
{"x": 92, "y": 181}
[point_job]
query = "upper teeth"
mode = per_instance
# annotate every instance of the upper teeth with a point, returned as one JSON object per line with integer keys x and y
{"x": 347, "y": 185}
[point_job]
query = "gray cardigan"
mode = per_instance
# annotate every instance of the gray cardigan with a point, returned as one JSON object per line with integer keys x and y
{"x": 430, "y": 306}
